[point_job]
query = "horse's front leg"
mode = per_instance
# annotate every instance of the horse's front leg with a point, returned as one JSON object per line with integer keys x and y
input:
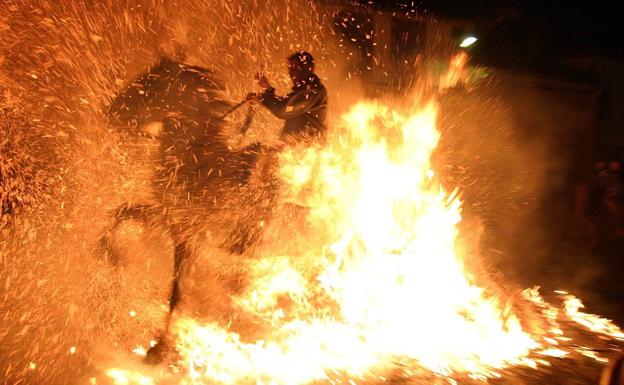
{"x": 157, "y": 353}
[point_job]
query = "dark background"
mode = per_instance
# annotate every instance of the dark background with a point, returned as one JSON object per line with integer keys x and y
{"x": 530, "y": 31}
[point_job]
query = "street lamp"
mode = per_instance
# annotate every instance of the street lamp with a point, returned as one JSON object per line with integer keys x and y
{"x": 468, "y": 41}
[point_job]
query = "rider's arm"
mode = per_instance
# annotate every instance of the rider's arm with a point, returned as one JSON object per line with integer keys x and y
{"x": 291, "y": 105}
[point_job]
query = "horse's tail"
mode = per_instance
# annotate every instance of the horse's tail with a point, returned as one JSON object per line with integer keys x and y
{"x": 147, "y": 215}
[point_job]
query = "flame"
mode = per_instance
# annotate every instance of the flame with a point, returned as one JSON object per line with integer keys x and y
{"x": 456, "y": 72}
{"x": 388, "y": 287}
{"x": 590, "y": 321}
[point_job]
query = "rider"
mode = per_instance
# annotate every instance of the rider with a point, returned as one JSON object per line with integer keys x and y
{"x": 304, "y": 109}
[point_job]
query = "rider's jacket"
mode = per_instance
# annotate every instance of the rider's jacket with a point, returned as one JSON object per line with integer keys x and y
{"x": 304, "y": 109}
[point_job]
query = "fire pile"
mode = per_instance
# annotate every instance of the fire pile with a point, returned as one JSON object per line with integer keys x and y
{"x": 377, "y": 289}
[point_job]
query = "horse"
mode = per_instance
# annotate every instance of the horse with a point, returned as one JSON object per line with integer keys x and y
{"x": 199, "y": 178}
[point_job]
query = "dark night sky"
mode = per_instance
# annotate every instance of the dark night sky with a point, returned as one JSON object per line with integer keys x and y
{"x": 561, "y": 27}
{"x": 549, "y": 27}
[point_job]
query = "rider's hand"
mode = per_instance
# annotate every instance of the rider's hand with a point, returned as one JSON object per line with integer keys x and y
{"x": 262, "y": 80}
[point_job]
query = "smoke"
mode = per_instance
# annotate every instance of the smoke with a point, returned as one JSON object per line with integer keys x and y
{"x": 516, "y": 149}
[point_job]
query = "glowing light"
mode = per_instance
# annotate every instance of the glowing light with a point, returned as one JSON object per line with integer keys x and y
{"x": 456, "y": 72}
{"x": 553, "y": 352}
{"x": 468, "y": 41}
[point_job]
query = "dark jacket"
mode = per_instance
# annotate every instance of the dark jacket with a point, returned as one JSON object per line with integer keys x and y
{"x": 304, "y": 109}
